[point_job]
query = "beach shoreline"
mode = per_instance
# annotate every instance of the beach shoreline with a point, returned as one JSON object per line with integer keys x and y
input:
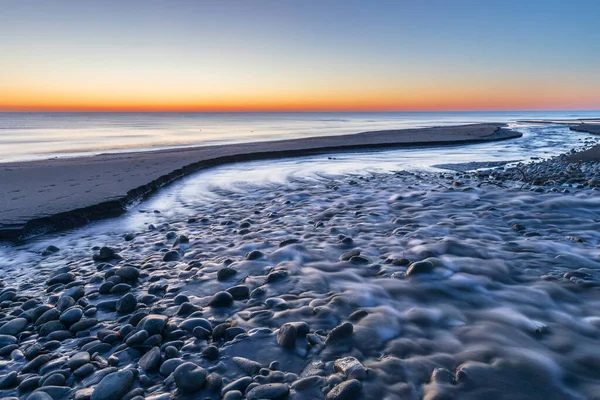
{"x": 68, "y": 192}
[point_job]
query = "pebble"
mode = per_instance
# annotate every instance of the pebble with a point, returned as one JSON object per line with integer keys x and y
{"x": 340, "y": 332}
{"x": 348, "y": 390}
{"x": 114, "y": 386}
{"x": 419, "y": 267}
{"x": 286, "y": 337}
{"x": 268, "y": 391}
{"x": 221, "y": 299}
{"x": 189, "y": 377}
{"x": 13, "y": 327}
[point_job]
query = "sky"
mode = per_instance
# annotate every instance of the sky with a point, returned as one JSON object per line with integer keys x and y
{"x": 299, "y": 55}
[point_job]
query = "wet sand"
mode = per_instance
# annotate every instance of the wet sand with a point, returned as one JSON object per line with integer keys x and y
{"x": 42, "y": 196}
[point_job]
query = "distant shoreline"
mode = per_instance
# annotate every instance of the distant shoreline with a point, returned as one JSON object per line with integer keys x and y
{"x": 49, "y": 195}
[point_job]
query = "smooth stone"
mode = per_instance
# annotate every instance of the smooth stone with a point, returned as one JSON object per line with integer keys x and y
{"x": 349, "y": 254}
{"x": 71, "y": 316}
{"x": 191, "y": 323}
{"x": 78, "y": 359}
{"x": 348, "y": 390}
{"x": 128, "y": 273}
{"x": 7, "y": 339}
{"x": 50, "y": 315}
{"x": 64, "y": 303}
{"x": 114, "y": 386}
{"x": 150, "y": 361}
{"x": 170, "y": 365}
{"x": 341, "y": 331}
{"x": 55, "y": 392}
{"x": 225, "y": 273}
{"x": 253, "y": 255}
{"x": 419, "y": 267}
{"x": 239, "y": 384}
{"x": 286, "y": 337}
{"x": 9, "y": 380}
{"x": 210, "y": 353}
{"x": 239, "y": 292}
{"x": 13, "y": 327}
{"x": 126, "y": 304}
{"x": 221, "y": 299}
{"x": 153, "y": 323}
{"x": 248, "y": 366}
{"x": 271, "y": 391}
{"x": 63, "y": 278}
{"x": 137, "y": 338}
{"x": 172, "y": 255}
{"x": 189, "y": 377}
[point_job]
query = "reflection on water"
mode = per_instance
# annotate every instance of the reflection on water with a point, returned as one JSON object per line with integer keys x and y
{"x": 66, "y": 134}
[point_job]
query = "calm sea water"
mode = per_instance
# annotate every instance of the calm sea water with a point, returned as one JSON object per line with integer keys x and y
{"x": 27, "y": 136}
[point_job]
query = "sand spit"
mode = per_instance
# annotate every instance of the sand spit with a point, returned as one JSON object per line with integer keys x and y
{"x": 588, "y": 128}
{"x": 42, "y": 196}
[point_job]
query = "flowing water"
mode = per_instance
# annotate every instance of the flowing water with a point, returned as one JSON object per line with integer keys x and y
{"x": 508, "y": 307}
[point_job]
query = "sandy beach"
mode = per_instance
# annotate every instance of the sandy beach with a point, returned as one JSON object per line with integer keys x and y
{"x": 67, "y": 192}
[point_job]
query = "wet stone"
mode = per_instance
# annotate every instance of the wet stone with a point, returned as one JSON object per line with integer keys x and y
{"x": 348, "y": 390}
{"x": 189, "y": 377}
{"x": 221, "y": 299}
{"x": 268, "y": 391}
{"x": 340, "y": 332}
{"x": 419, "y": 267}
{"x": 114, "y": 386}
{"x": 286, "y": 337}
{"x": 172, "y": 255}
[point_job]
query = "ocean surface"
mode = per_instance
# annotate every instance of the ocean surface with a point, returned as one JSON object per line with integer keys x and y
{"x": 29, "y": 136}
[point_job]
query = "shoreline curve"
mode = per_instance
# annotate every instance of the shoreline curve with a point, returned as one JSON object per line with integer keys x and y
{"x": 43, "y": 196}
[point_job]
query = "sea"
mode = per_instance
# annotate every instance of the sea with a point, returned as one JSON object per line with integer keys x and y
{"x": 31, "y": 136}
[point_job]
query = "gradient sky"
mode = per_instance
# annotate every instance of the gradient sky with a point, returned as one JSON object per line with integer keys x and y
{"x": 299, "y": 55}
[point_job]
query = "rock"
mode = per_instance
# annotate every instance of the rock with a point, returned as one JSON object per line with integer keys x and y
{"x": 308, "y": 383}
{"x": 349, "y": 254}
{"x": 221, "y": 299}
{"x": 239, "y": 384}
{"x": 71, "y": 316}
{"x": 340, "y": 332}
{"x": 78, "y": 359}
{"x": 225, "y": 273}
{"x": 276, "y": 275}
{"x": 254, "y": 255}
{"x": 419, "y": 267}
{"x": 114, "y": 386}
{"x": 169, "y": 366}
{"x": 210, "y": 353}
{"x": 153, "y": 324}
{"x": 189, "y": 377}
{"x": 127, "y": 304}
{"x": 268, "y": 391}
{"x": 50, "y": 250}
{"x": 128, "y": 273}
{"x": 248, "y": 366}
{"x": 9, "y": 380}
{"x": 172, "y": 255}
{"x": 137, "y": 338}
{"x": 518, "y": 227}
{"x": 192, "y": 323}
{"x": 350, "y": 367}
{"x": 55, "y": 392}
{"x": 150, "y": 361}
{"x": 348, "y": 390}
{"x": 286, "y": 337}
{"x": 63, "y": 278}
{"x": 13, "y": 327}
{"x": 239, "y": 292}
{"x": 287, "y": 242}
{"x": 7, "y": 339}
{"x": 105, "y": 254}
{"x": 51, "y": 315}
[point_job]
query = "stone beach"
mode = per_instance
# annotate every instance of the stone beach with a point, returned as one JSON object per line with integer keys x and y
{"x": 470, "y": 284}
